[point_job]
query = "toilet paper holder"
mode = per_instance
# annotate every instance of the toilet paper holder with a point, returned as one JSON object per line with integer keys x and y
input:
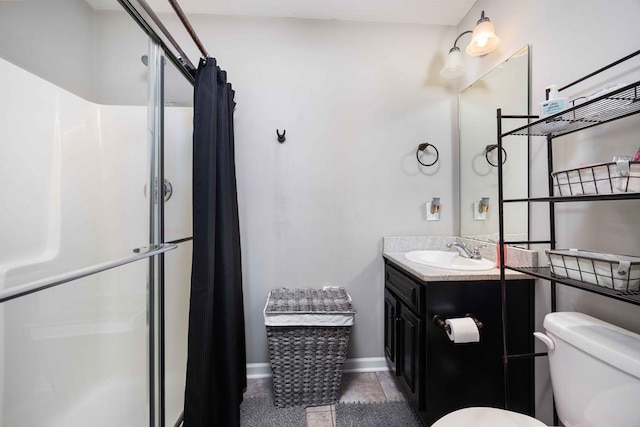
{"x": 440, "y": 322}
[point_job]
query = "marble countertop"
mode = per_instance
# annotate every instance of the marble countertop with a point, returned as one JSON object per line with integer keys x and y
{"x": 394, "y": 249}
{"x": 431, "y": 274}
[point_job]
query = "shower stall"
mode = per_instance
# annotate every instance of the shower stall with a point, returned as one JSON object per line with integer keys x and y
{"x": 95, "y": 225}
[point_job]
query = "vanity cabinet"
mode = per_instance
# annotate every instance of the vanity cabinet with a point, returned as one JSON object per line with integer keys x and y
{"x": 404, "y": 329}
{"x": 440, "y": 376}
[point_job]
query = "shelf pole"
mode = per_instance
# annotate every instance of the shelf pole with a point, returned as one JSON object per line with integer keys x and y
{"x": 552, "y": 214}
{"x": 501, "y": 257}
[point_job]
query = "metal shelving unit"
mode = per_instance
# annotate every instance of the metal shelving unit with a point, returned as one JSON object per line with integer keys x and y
{"x": 617, "y": 104}
{"x": 632, "y": 297}
{"x": 611, "y": 106}
{"x": 614, "y": 105}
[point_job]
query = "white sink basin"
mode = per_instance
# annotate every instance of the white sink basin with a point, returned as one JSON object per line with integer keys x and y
{"x": 449, "y": 261}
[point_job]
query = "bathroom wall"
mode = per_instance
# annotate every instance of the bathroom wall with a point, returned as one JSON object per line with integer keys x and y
{"x": 65, "y": 55}
{"x": 356, "y": 99}
{"x": 568, "y": 40}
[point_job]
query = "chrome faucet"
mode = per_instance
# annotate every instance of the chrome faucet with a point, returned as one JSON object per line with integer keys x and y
{"x": 464, "y": 250}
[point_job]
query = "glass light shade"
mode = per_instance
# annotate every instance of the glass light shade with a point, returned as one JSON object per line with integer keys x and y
{"x": 483, "y": 39}
{"x": 453, "y": 65}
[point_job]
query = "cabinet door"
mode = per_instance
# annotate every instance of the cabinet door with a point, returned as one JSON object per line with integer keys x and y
{"x": 390, "y": 329}
{"x": 408, "y": 356}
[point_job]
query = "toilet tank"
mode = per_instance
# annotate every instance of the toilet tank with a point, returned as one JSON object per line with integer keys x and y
{"x": 595, "y": 371}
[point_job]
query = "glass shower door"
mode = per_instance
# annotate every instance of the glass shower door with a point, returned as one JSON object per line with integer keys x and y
{"x": 74, "y": 166}
{"x": 76, "y": 355}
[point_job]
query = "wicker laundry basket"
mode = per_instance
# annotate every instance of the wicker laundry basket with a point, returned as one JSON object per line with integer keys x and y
{"x": 308, "y": 335}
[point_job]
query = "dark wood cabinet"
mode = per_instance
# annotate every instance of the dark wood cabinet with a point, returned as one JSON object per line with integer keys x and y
{"x": 410, "y": 338}
{"x": 390, "y": 328}
{"x": 441, "y": 376}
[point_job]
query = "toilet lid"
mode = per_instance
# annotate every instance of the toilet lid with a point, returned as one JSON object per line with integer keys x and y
{"x": 486, "y": 417}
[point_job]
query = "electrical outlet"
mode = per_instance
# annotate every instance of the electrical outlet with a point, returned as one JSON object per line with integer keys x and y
{"x": 478, "y": 215}
{"x": 432, "y": 216}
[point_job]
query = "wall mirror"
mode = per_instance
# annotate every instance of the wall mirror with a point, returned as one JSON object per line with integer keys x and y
{"x": 507, "y": 87}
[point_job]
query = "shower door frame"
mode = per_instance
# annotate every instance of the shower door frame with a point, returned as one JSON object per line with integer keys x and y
{"x": 156, "y": 275}
{"x": 159, "y": 48}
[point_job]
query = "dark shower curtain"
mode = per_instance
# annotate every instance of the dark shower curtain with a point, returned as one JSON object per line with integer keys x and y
{"x": 216, "y": 364}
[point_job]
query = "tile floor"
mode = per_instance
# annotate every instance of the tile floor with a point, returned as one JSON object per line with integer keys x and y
{"x": 358, "y": 387}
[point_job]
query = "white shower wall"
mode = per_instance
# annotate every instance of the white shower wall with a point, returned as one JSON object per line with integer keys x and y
{"x": 74, "y": 176}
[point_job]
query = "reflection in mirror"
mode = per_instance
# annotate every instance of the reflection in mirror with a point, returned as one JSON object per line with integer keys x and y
{"x": 505, "y": 87}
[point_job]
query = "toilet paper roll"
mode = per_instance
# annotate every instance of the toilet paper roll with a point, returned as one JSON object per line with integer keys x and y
{"x": 463, "y": 330}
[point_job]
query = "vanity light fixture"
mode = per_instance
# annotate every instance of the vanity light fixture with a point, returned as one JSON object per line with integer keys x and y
{"x": 484, "y": 205}
{"x": 481, "y": 209}
{"x": 483, "y": 41}
{"x": 435, "y": 205}
{"x": 433, "y": 209}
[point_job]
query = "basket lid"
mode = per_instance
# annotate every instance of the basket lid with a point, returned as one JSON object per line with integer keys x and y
{"x": 303, "y": 300}
{"x": 309, "y": 307}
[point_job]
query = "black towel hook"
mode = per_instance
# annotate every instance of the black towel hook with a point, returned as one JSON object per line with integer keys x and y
{"x": 490, "y": 148}
{"x": 281, "y": 138}
{"x": 423, "y": 147}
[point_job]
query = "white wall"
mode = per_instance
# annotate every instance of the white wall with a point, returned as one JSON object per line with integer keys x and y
{"x": 80, "y": 50}
{"x": 52, "y": 39}
{"x": 570, "y": 39}
{"x": 356, "y": 99}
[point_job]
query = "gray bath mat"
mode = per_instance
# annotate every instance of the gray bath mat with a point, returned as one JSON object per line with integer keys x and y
{"x": 387, "y": 414}
{"x": 260, "y": 412}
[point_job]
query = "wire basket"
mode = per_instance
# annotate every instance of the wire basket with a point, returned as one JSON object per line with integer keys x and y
{"x": 602, "y": 178}
{"x": 619, "y": 272}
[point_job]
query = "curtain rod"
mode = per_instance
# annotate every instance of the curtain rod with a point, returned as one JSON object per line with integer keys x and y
{"x": 188, "y": 27}
{"x": 182, "y": 56}
{"x": 136, "y": 13}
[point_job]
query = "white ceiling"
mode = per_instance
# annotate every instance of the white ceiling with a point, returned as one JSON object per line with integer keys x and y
{"x": 431, "y": 12}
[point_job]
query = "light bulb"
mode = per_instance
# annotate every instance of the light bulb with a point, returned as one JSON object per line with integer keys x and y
{"x": 454, "y": 65}
{"x": 483, "y": 40}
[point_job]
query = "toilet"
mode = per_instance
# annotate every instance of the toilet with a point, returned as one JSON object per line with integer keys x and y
{"x": 595, "y": 374}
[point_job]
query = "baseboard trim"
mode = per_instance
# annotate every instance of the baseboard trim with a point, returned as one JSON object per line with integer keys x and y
{"x": 366, "y": 364}
{"x": 258, "y": 370}
{"x": 361, "y": 364}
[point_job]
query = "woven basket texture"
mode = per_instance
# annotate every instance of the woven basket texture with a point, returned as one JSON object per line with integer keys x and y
{"x": 330, "y": 300}
{"x": 307, "y": 361}
{"x": 307, "y": 364}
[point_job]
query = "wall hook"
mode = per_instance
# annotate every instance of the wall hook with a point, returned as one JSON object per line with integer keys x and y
{"x": 423, "y": 147}
{"x": 281, "y": 138}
